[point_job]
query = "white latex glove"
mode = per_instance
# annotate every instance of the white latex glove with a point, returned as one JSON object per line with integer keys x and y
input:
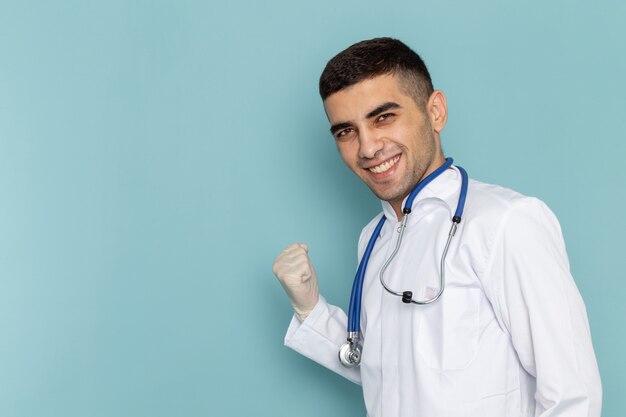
{"x": 296, "y": 274}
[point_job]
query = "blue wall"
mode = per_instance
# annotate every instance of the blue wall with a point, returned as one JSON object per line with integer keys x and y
{"x": 155, "y": 157}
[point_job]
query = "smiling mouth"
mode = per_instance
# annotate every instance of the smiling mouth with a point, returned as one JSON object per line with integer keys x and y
{"x": 385, "y": 166}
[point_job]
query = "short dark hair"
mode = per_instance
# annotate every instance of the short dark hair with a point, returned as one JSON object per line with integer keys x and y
{"x": 374, "y": 57}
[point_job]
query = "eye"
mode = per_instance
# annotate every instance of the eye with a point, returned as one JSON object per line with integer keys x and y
{"x": 387, "y": 117}
{"x": 344, "y": 133}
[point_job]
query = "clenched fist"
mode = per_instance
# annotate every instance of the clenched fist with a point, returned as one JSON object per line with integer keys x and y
{"x": 297, "y": 276}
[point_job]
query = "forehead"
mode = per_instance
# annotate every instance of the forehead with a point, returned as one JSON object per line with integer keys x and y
{"x": 356, "y": 101}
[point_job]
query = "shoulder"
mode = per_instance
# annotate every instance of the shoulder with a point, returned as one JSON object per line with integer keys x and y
{"x": 494, "y": 213}
{"x": 369, "y": 227}
{"x": 490, "y": 204}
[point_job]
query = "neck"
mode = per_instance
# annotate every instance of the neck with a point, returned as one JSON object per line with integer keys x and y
{"x": 438, "y": 164}
{"x": 397, "y": 208}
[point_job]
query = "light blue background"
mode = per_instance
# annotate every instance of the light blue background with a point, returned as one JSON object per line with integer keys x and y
{"x": 155, "y": 157}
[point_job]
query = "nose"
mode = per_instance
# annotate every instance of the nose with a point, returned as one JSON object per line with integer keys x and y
{"x": 369, "y": 144}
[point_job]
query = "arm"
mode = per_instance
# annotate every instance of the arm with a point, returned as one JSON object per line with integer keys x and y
{"x": 320, "y": 336}
{"x": 537, "y": 302}
{"x": 317, "y": 329}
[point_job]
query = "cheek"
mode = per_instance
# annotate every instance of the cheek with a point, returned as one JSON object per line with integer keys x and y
{"x": 407, "y": 135}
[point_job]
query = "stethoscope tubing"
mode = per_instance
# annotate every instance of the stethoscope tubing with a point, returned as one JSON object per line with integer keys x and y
{"x": 354, "y": 312}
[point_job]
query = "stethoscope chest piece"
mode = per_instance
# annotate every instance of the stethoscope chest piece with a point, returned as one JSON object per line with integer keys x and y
{"x": 350, "y": 354}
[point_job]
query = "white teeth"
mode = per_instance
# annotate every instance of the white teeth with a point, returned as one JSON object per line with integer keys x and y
{"x": 384, "y": 166}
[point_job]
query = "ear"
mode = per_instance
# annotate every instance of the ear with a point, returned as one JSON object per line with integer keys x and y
{"x": 437, "y": 109}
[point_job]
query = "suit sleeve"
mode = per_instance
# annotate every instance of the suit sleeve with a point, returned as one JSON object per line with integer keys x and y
{"x": 320, "y": 336}
{"x": 536, "y": 300}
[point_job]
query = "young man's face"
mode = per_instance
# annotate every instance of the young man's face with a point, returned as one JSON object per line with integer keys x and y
{"x": 385, "y": 137}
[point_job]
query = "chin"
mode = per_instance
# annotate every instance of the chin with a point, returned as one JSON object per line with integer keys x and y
{"x": 389, "y": 195}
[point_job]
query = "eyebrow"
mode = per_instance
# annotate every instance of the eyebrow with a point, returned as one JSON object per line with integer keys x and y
{"x": 382, "y": 108}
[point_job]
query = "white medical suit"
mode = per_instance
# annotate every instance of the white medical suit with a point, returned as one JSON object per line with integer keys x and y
{"x": 510, "y": 335}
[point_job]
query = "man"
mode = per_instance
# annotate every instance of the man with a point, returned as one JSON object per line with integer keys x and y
{"x": 509, "y": 335}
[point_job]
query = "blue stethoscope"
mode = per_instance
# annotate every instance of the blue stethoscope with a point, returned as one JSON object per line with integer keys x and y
{"x": 350, "y": 352}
